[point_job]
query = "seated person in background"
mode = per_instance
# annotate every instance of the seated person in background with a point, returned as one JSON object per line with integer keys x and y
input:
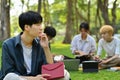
{"x": 83, "y": 45}
{"x": 111, "y": 45}
{"x": 51, "y": 33}
{"x": 24, "y": 55}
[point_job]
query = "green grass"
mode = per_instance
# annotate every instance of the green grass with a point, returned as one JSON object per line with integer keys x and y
{"x": 64, "y": 49}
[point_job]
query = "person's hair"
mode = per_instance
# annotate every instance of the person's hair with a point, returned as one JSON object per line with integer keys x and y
{"x": 50, "y": 31}
{"x": 29, "y": 18}
{"x": 106, "y": 28}
{"x": 84, "y": 25}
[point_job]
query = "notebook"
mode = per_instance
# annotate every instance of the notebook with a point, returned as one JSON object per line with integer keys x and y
{"x": 90, "y": 66}
{"x": 71, "y": 64}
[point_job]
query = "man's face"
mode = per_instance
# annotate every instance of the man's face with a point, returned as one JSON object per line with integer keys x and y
{"x": 83, "y": 32}
{"x": 36, "y": 30}
{"x": 106, "y": 36}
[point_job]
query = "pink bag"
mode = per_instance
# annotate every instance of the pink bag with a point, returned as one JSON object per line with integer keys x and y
{"x": 55, "y": 70}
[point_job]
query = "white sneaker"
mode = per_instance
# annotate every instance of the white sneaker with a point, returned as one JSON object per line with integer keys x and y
{"x": 112, "y": 69}
{"x": 80, "y": 65}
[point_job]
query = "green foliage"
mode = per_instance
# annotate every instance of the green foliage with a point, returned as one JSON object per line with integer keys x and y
{"x": 14, "y": 26}
{"x": 118, "y": 16}
{"x": 63, "y": 49}
{"x": 58, "y": 12}
{"x": 1, "y": 44}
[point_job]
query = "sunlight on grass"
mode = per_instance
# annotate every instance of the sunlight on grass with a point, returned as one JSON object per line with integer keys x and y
{"x": 59, "y": 48}
{"x": 60, "y": 45}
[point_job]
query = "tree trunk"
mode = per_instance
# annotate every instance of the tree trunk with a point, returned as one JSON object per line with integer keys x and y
{"x": 76, "y": 18}
{"x": 98, "y": 23}
{"x": 28, "y": 4}
{"x": 81, "y": 16}
{"x": 103, "y": 5}
{"x": 5, "y": 19}
{"x": 114, "y": 16}
{"x": 89, "y": 12}
{"x": 39, "y": 6}
{"x": 47, "y": 18}
{"x": 23, "y": 3}
{"x": 69, "y": 23}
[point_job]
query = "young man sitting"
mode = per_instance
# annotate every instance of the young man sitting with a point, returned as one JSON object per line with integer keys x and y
{"x": 111, "y": 45}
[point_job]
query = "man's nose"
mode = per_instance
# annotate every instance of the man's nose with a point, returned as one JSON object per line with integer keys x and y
{"x": 102, "y": 35}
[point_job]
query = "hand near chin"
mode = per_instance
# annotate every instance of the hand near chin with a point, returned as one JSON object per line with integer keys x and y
{"x": 44, "y": 40}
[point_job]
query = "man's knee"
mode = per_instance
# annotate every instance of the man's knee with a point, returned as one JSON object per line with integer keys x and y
{"x": 66, "y": 76}
{"x": 12, "y": 76}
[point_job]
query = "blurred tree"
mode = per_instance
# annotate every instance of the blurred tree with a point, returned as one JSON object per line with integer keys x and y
{"x": 56, "y": 14}
{"x": 69, "y": 24}
{"x": 39, "y": 6}
{"x": 103, "y": 6}
{"x": 114, "y": 16}
{"x": 23, "y": 3}
{"x": 5, "y": 19}
{"x": 89, "y": 1}
{"x": 46, "y": 11}
{"x": 27, "y": 4}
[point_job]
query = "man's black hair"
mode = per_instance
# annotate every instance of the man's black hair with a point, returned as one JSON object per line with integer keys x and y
{"x": 29, "y": 18}
{"x": 50, "y": 31}
{"x": 84, "y": 25}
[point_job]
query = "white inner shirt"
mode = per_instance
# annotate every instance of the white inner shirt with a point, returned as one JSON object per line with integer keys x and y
{"x": 27, "y": 54}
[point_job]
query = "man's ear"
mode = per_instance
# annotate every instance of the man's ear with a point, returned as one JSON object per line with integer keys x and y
{"x": 26, "y": 27}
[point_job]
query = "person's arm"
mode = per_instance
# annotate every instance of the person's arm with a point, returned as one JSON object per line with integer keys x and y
{"x": 74, "y": 49}
{"x": 7, "y": 60}
{"x": 44, "y": 43}
{"x": 74, "y": 46}
{"x": 76, "y": 52}
{"x": 110, "y": 59}
{"x": 99, "y": 51}
{"x": 93, "y": 48}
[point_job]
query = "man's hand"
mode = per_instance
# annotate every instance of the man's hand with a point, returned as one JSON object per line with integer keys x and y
{"x": 44, "y": 40}
{"x": 44, "y": 43}
{"x": 42, "y": 77}
{"x": 103, "y": 62}
{"x": 96, "y": 57}
{"x": 79, "y": 53}
{"x": 38, "y": 77}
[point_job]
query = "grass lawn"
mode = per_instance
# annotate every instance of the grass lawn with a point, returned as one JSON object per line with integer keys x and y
{"x": 64, "y": 49}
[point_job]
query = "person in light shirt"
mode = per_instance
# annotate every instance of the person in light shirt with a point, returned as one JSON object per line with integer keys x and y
{"x": 83, "y": 45}
{"x": 111, "y": 45}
